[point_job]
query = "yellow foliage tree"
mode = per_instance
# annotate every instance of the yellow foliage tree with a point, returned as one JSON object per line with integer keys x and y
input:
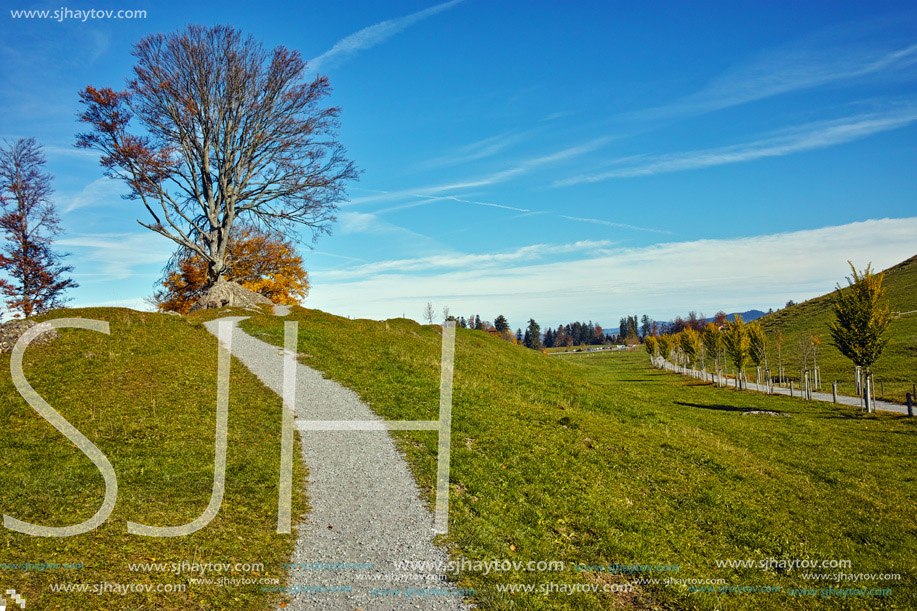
{"x": 260, "y": 260}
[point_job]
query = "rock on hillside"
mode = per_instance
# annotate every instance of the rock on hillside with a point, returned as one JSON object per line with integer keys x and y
{"x": 11, "y": 332}
{"x": 226, "y": 294}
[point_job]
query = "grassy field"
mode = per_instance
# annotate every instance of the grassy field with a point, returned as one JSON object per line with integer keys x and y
{"x": 146, "y": 396}
{"x": 597, "y": 459}
{"x": 896, "y": 369}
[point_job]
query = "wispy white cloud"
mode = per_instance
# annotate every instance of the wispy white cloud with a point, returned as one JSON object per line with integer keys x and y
{"x": 398, "y": 238}
{"x": 482, "y": 149}
{"x": 63, "y": 151}
{"x": 523, "y": 167}
{"x": 334, "y": 256}
{"x": 524, "y": 212}
{"x": 428, "y": 199}
{"x": 365, "y": 223}
{"x": 455, "y": 261}
{"x": 834, "y": 56}
{"x": 805, "y": 138}
{"x": 611, "y": 224}
{"x": 116, "y": 256}
{"x": 100, "y": 191}
{"x": 662, "y": 280}
{"x": 373, "y": 35}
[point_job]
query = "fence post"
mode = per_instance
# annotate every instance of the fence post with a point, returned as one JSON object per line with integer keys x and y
{"x": 834, "y": 390}
{"x": 805, "y": 377}
{"x": 910, "y": 405}
{"x": 791, "y": 388}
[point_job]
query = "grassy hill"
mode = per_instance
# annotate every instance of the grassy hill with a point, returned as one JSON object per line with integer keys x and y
{"x": 596, "y": 459}
{"x": 896, "y": 369}
{"x": 146, "y": 396}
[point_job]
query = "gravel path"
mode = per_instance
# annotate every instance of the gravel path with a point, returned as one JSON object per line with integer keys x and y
{"x": 365, "y": 505}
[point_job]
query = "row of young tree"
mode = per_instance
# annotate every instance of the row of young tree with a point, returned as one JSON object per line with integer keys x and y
{"x": 859, "y": 332}
{"x": 739, "y": 342}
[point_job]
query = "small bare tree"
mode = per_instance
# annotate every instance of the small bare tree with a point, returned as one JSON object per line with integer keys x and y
{"x": 445, "y": 313}
{"x": 29, "y": 223}
{"x": 429, "y": 313}
{"x": 228, "y": 130}
{"x": 805, "y": 351}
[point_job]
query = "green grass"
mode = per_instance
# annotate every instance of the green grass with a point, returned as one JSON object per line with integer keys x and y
{"x": 896, "y": 369}
{"x": 598, "y": 459}
{"x": 146, "y": 396}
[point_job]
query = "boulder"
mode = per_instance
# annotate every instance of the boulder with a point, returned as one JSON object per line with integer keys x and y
{"x": 11, "y": 331}
{"x": 229, "y": 294}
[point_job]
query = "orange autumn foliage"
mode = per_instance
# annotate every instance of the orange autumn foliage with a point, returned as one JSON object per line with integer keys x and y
{"x": 259, "y": 260}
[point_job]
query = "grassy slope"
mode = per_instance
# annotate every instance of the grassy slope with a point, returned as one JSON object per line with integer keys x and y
{"x": 599, "y": 459}
{"x": 896, "y": 368}
{"x": 146, "y": 396}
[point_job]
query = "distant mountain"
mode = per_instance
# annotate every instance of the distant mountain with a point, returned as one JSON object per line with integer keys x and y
{"x": 747, "y": 316}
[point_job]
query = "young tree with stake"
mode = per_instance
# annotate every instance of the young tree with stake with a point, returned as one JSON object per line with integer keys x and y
{"x": 712, "y": 341}
{"x": 651, "y": 344}
{"x": 736, "y": 342}
{"x": 861, "y": 320}
{"x": 666, "y": 344}
{"x": 690, "y": 345}
{"x": 757, "y": 347}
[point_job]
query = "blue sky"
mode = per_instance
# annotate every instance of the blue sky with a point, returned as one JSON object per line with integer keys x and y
{"x": 557, "y": 160}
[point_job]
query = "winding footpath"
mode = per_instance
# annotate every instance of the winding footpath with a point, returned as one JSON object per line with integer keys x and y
{"x": 365, "y": 505}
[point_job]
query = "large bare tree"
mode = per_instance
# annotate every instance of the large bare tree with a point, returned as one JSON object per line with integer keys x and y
{"x": 228, "y": 130}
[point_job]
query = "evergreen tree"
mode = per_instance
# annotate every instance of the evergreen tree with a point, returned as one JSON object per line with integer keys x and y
{"x": 500, "y": 324}
{"x": 646, "y": 325}
{"x": 519, "y": 337}
{"x": 549, "y": 338}
{"x": 576, "y": 331}
{"x": 534, "y": 332}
